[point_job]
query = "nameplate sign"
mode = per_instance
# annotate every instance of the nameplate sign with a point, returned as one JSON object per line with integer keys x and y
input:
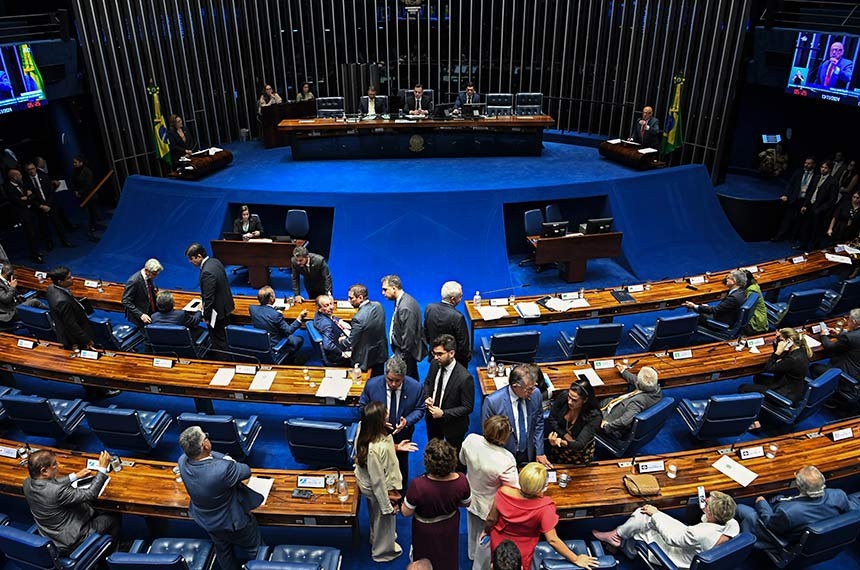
{"x": 700, "y": 280}
{"x": 90, "y": 354}
{"x": 840, "y": 434}
{"x": 162, "y": 363}
{"x": 751, "y": 342}
{"x": 798, "y": 259}
{"x": 603, "y": 364}
{"x": 311, "y": 482}
{"x": 751, "y": 452}
{"x": 9, "y": 452}
{"x": 498, "y": 302}
{"x": 635, "y": 288}
{"x": 751, "y": 268}
{"x": 24, "y": 343}
{"x": 91, "y": 284}
{"x": 816, "y": 329}
{"x": 343, "y": 305}
{"x": 682, "y": 354}
{"x": 246, "y": 369}
{"x": 651, "y": 466}
{"x": 569, "y": 296}
{"x": 40, "y": 275}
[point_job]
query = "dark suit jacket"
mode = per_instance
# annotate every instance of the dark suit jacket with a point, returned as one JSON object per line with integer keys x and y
{"x": 62, "y": 512}
{"x": 652, "y": 135}
{"x": 332, "y": 346}
{"x": 254, "y": 225}
{"x": 135, "y": 298}
{"x": 21, "y": 203}
{"x": 443, "y": 318}
{"x": 792, "y": 190}
{"x": 826, "y": 197}
{"x": 406, "y": 334}
{"x": 70, "y": 318}
{"x": 620, "y": 417}
{"x": 271, "y": 320}
{"x": 215, "y": 290}
{"x": 726, "y": 311}
{"x": 409, "y": 103}
{"x": 47, "y": 188}
{"x": 315, "y": 274}
{"x": 499, "y": 404}
{"x": 178, "y": 146}
{"x": 219, "y": 500}
{"x": 461, "y": 99}
{"x": 188, "y": 319}
{"x": 787, "y": 517}
{"x": 381, "y": 106}
{"x": 458, "y": 401}
{"x": 411, "y": 405}
{"x": 367, "y": 337}
{"x": 844, "y": 351}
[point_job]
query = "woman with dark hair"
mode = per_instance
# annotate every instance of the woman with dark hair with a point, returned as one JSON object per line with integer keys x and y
{"x": 434, "y": 501}
{"x": 573, "y": 418}
{"x": 247, "y": 224}
{"x": 785, "y": 372}
{"x": 378, "y": 476}
{"x": 180, "y": 139}
{"x": 305, "y": 93}
{"x": 758, "y": 322}
{"x": 845, "y": 223}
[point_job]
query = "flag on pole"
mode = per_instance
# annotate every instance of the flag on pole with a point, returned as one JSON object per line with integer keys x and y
{"x": 672, "y": 133}
{"x": 159, "y": 128}
{"x": 32, "y": 77}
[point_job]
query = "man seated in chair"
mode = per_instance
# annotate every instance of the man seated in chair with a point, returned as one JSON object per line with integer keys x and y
{"x": 728, "y": 309}
{"x": 419, "y": 104}
{"x": 618, "y": 412}
{"x": 843, "y": 348}
{"x": 334, "y": 332}
{"x": 264, "y": 316}
{"x": 9, "y": 297}
{"x": 168, "y": 315}
{"x": 372, "y": 106}
{"x": 467, "y": 97}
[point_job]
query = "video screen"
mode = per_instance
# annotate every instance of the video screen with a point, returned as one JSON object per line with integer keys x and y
{"x": 21, "y": 85}
{"x": 823, "y": 68}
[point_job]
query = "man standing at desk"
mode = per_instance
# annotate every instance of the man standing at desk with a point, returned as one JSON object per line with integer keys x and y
{"x": 371, "y": 106}
{"x": 140, "y": 294}
{"x": 313, "y": 269}
{"x": 405, "y": 332}
{"x": 444, "y": 318}
{"x": 216, "y": 294}
{"x": 367, "y": 335}
{"x": 419, "y": 104}
{"x": 646, "y": 131}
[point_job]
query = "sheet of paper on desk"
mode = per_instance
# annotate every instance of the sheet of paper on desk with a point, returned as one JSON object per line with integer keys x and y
{"x": 614, "y": 141}
{"x": 260, "y": 240}
{"x": 280, "y": 303}
{"x": 560, "y": 305}
{"x": 501, "y": 382}
{"x": 336, "y": 372}
{"x": 528, "y": 310}
{"x": 337, "y": 388}
{"x": 194, "y": 304}
{"x": 851, "y": 250}
{"x": 838, "y": 258}
{"x": 734, "y": 471}
{"x": 263, "y": 380}
{"x": 811, "y": 342}
{"x": 647, "y": 150}
{"x": 262, "y": 485}
{"x": 589, "y": 375}
{"x": 223, "y": 377}
{"x": 492, "y": 313}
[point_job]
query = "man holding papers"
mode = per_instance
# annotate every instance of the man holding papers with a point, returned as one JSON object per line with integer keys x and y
{"x": 217, "y": 297}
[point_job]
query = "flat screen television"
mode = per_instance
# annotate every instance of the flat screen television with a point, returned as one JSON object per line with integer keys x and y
{"x": 596, "y": 226}
{"x": 553, "y": 229}
{"x": 21, "y": 84}
{"x": 823, "y": 67}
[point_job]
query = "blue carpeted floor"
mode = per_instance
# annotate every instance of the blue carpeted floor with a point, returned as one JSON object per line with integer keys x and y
{"x": 429, "y": 221}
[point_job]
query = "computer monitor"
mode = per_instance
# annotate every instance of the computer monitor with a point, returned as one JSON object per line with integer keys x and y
{"x": 231, "y": 236}
{"x": 473, "y": 110}
{"x": 553, "y": 229}
{"x": 443, "y": 111}
{"x": 596, "y": 226}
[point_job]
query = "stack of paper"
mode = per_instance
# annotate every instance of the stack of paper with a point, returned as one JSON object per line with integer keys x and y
{"x": 735, "y": 471}
{"x": 492, "y": 313}
{"x": 589, "y": 375}
{"x": 334, "y": 388}
{"x": 560, "y": 305}
{"x": 838, "y": 258}
{"x": 528, "y": 310}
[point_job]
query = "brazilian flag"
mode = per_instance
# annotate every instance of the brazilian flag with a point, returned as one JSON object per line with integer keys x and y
{"x": 159, "y": 129}
{"x": 32, "y": 77}
{"x": 673, "y": 136}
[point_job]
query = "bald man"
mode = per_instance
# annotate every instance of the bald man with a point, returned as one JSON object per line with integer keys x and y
{"x": 646, "y": 131}
{"x": 835, "y": 71}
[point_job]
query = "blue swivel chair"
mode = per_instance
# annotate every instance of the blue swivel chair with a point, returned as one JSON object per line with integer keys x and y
{"x": 511, "y": 347}
{"x": 719, "y": 416}
{"x": 165, "y": 553}
{"x": 227, "y": 435}
{"x": 123, "y": 338}
{"x": 316, "y": 342}
{"x": 176, "y": 340}
{"x": 727, "y": 556}
{"x": 255, "y": 344}
{"x": 801, "y": 307}
{"x": 717, "y": 331}
{"x": 529, "y": 104}
{"x": 295, "y": 557}
{"x": 532, "y": 221}
{"x": 591, "y": 341}
{"x": 816, "y": 392}
{"x": 553, "y": 213}
{"x": 319, "y": 443}
{"x": 843, "y": 300}
{"x": 38, "y": 321}
{"x": 817, "y": 543}
{"x": 667, "y": 332}
{"x": 44, "y": 417}
{"x": 3, "y": 391}
{"x": 546, "y": 558}
{"x": 121, "y": 428}
{"x": 32, "y": 551}
{"x": 297, "y": 224}
{"x": 645, "y": 426}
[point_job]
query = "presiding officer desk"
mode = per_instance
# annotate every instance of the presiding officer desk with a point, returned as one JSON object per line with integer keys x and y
{"x": 149, "y": 488}
{"x": 110, "y": 298}
{"x": 257, "y": 255}
{"x": 572, "y": 252}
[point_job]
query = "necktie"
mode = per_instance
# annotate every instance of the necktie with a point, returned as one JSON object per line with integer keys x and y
{"x": 150, "y": 291}
{"x": 418, "y": 103}
{"x": 393, "y": 416}
{"x": 469, "y": 100}
{"x": 829, "y": 73}
{"x": 817, "y": 186}
{"x": 440, "y": 381}
{"x": 391, "y": 327}
{"x": 642, "y": 134}
{"x": 521, "y": 418}
{"x": 39, "y": 188}
{"x": 804, "y": 184}
{"x": 338, "y": 322}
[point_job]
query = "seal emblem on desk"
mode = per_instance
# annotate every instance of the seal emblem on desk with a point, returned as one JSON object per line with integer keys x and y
{"x": 416, "y": 143}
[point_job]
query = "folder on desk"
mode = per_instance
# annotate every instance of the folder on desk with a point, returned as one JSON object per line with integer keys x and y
{"x": 623, "y": 297}
{"x": 262, "y": 485}
{"x": 528, "y": 310}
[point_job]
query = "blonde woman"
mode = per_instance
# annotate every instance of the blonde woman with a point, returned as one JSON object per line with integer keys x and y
{"x": 785, "y": 372}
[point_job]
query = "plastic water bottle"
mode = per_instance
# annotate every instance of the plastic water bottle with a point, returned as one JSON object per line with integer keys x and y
{"x": 342, "y": 490}
{"x": 491, "y": 367}
{"x": 356, "y": 374}
{"x": 476, "y": 300}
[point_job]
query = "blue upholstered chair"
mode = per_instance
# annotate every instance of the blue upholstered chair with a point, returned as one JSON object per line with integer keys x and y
{"x": 801, "y": 307}
{"x": 667, "y": 332}
{"x": 121, "y": 428}
{"x": 316, "y": 342}
{"x": 3, "y": 391}
{"x": 176, "y": 340}
{"x": 500, "y": 104}
{"x": 546, "y": 558}
{"x": 728, "y": 415}
{"x": 297, "y": 225}
{"x": 44, "y": 417}
{"x": 815, "y": 393}
{"x": 380, "y": 99}
{"x": 843, "y": 300}
{"x": 552, "y": 213}
{"x": 817, "y": 542}
{"x": 123, "y": 338}
{"x": 165, "y": 553}
{"x": 645, "y": 426}
{"x": 404, "y": 93}
{"x": 717, "y": 331}
{"x": 532, "y": 221}
{"x": 330, "y": 107}
{"x": 591, "y": 341}
{"x": 227, "y": 435}
{"x": 295, "y": 557}
{"x": 511, "y": 347}
{"x": 38, "y": 321}
{"x": 727, "y": 556}
{"x": 256, "y": 345}
{"x": 29, "y": 550}
{"x": 319, "y": 443}
{"x": 529, "y": 104}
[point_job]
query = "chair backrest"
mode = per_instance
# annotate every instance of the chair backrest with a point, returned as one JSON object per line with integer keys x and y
{"x": 529, "y": 104}
{"x": 673, "y": 332}
{"x": 28, "y": 549}
{"x": 36, "y": 416}
{"x": 849, "y": 297}
{"x": 648, "y": 422}
{"x": 144, "y": 561}
{"x": 727, "y": 556}
{"x": 327, "y": 557}
{"x": 553, "y": 213}
{"x": 745, "y": 314}
{"x": 802, "y": 307}
{"x": 500, "y": 104}
{"x": 317, "y": 442}
{"x": 825, "y": 539}
{"x": 404, "y": 93}
{"x": 117, "y": 427}
{"x": 729, "y": 415}
{"x": 222, "y": 429}
{"x": 38, "y": 321}
{"x": 296, "y": 223}
{"x": 819, "y": 391}
{"x": 168, "y": 339}
{"x": 329, "y": 106}
{"x": 516, "y": 346}
{"x": 251, "y": 342}
{"x": 532, "y": 220}
{"x": 316, "y": 341}
{"x": 595, "y": 341}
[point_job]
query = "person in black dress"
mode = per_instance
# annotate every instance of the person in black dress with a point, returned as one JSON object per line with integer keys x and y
{"x": 845, "y": 224}
{"x": 572, "y": 421}
{"x": 785, "y": 372}
{"x": 181, "y": 141}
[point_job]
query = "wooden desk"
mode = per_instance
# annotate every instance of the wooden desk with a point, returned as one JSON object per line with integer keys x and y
{"x": 149, "y": 488}
{"x": 202, "y": 165}
{"x": 110, "y": 298}
{"x": 628, "y": 154}
{"x": 257, "y": 256}
{"x": 271, "y": 115}
{"x": 574, "y": 250}
{"x": 189, "y": 378}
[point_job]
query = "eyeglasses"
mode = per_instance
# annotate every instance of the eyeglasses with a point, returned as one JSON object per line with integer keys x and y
{"x": 440, "y": 353}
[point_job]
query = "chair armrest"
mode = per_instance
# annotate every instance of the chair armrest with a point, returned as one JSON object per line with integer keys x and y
{"x": 771, "y": 537}
{"x": 281, "y": 344}
{"x": 351, "y": 430}
{"x": 263, "y": 552}
{"x": 137, "y": 547}
{"x": 849, "y": 379}
{"x": 779, "y": 398}
{"x": 717, "y": 325}
{"x": 652, "y": 548}
{"x": 89, "y": 544}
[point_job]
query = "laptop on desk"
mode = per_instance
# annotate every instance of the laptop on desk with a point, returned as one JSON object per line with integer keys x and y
{"x": 282, "y": 238}
{"x": 443, "y": 111}
{"x": 231, "y": 236}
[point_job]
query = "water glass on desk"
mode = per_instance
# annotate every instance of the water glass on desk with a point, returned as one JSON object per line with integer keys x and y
{"x": 331, "y": 483}
{"x": 772, "y": 450}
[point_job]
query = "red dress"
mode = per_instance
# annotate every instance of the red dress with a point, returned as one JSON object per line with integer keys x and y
{"x": 522, "y": 521}
{"x": 433, "y": 501}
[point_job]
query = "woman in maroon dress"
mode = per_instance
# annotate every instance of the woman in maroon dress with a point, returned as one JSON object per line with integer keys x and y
{"x": 435, "y": 499}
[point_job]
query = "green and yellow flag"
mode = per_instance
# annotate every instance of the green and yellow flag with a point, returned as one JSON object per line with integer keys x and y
{"x": 159, "y": 128}
{"x": 32, "y": 76}
{"x": 673, "y": 136}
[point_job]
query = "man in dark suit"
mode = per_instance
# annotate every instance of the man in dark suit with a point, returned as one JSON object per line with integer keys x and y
{"x": 167, "y": 314}
{"x": 407, "y": 338}
{"x": 449, "y": 394}
{"x": 215, "y": 290}
{"x": 843, "y": 349}
{"x": 140, "y": 293}
{"x": 367, "y": 335}
{"x": 726, "y": 311}
{"x": 70, "y": 318}
{"x": 9, "y": 297}
{"x": 372, "y": 105}
{"x": 467, "y": 97}
{"x": 403, "y": 396}
{"x": 817, "y": 208}
{"x": 419, "y": 104}
{"x": 24, "y": 204}
{"x": 266, "y": 317}
{"x": 314, "y": 272}
{"x": 618, "y": 412}
{"x": 334, "y": 332}
{"x": 646, "y": 131}
{"x": 786, "y": 517}
{"x": 520, "y": 402}
{"x": 220, "y": 503}
{"x": 46, "y": 207}
{"x": 64, "y": 513}
{"x": 793, "y": 199}
{"x": 444, "y": 318}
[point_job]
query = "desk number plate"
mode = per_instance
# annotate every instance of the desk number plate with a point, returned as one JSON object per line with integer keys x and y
{"x": 751, "y": 452}
{"x": 682, "y": 354}
{"x": 40, "y": 275}
{"x": 24, "y": 343}
{"x": 652, "y": 466}
{"x": 751, "y": 342}
{"x": 90, "y": 354}
{"x": 246, "y": 369}
{"x": 91, "y": 284}
{"x": 635, "y": 288}
{"x": 162, "y": 363}
{"x": 604, "y": 364}
{"x": 841, "y": 434}
{"x": 311, "y": 482}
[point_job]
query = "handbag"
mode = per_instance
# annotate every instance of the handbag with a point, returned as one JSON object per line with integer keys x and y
{"x": 642, "y": 485}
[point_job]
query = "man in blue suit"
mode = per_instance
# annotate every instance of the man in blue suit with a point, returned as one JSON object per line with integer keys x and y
{"x": 220, "y": 503}
{"x": 334, "y": 332}
{"x": 467, "y": 97}
{"x": 404, "y": 398}
{"x": 787, "y": 516}
{"x": 520, "y": 402}
{"x": 266, "y": 317}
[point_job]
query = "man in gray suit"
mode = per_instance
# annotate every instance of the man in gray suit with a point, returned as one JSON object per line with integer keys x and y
{"x": 618, "y": 412}
{"x": 367, "y": 336}
{"x": 63, "y": 513}
{"x": 407, "y": 337}
{"x": 220, "y": 503}
{"x": 9, "y": 297}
